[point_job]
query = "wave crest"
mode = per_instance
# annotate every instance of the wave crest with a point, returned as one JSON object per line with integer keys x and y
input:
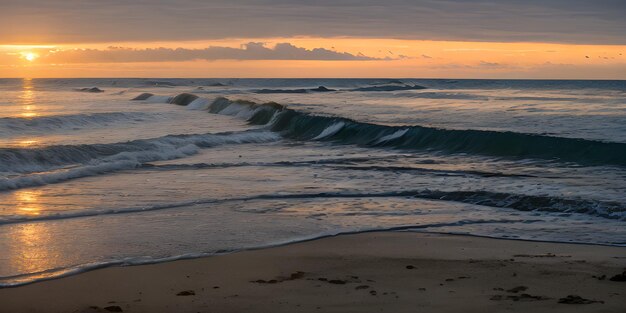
{"x": 305, "y": 126}
{"x": 96, "y": 159}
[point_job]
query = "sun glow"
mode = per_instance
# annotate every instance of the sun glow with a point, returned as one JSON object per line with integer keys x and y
{"x": 29, "y": 56}
{"x": 399, "y": 58}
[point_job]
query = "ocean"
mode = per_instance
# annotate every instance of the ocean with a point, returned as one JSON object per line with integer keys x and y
{"x": 91, "y": 178}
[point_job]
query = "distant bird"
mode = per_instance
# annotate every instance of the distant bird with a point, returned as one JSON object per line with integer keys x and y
{"x": 587, "y": 56}
{"x": 390, "y": 52}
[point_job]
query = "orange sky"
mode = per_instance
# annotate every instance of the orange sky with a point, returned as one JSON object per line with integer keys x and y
{"x": 394, "y": 58}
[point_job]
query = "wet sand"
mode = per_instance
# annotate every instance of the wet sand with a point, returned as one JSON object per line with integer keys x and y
{"x": 373, "y": 272}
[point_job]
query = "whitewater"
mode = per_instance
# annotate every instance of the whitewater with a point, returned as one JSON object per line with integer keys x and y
{"x": 113, "y": 172}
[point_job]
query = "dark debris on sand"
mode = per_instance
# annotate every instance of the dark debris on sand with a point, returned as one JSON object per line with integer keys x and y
{"x": 522, "y": 297}
{"x": 601, "y": 277}
{"x": 574, "y": 299}
{"x": 517, "y": 297}
{"x": 292, "y": 276}
{"x": 619, "y": 277}
{"x": 517, "y": 289}
{"x": 186, "y": 293}
{"x": 97, "y": 309}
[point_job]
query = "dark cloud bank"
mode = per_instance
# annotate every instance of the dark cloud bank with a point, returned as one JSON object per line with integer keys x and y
{"x": 249, "y": 51}
{"x": 65, "y": 21}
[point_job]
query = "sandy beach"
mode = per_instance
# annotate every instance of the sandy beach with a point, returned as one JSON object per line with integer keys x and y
{"x": 373, "y": 272}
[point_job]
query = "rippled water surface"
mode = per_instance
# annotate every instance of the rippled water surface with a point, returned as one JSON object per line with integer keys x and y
{"x": 197, "y": 167}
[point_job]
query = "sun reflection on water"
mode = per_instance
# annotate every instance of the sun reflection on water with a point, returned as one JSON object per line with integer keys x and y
{"x": 28, "y": 201}
{"x": 27, "y": 99}
{"x": 27, "y": 143}
{"x": 28, "y": 114}
{"x": 30, "y": 250}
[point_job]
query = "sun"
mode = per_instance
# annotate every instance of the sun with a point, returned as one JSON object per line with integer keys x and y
{"x": 29, "y": 56}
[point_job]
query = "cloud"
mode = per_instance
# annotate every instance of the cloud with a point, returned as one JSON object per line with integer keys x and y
{"x": 249, "y": 51}
{"x": 480, "y": 66}
{"x": 64, "y": 21}
{"x": 490, "y": 64}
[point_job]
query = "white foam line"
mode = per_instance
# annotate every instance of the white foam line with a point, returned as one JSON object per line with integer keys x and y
{"x": 330, "y": 130}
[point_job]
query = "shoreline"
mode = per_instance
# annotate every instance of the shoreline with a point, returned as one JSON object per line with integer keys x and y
{"x": 78, "y": 270}
{"x": 362, "y": 272}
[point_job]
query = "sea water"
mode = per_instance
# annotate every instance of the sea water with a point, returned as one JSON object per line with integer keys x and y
{"x": 196, "y": 167}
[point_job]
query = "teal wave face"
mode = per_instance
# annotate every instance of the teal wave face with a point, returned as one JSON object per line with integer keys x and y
{"x": 303, "y": 126}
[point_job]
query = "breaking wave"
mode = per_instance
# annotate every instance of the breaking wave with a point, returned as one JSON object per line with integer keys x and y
{"x": 304, "y": 126}
{"x": 59, "y": 163}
